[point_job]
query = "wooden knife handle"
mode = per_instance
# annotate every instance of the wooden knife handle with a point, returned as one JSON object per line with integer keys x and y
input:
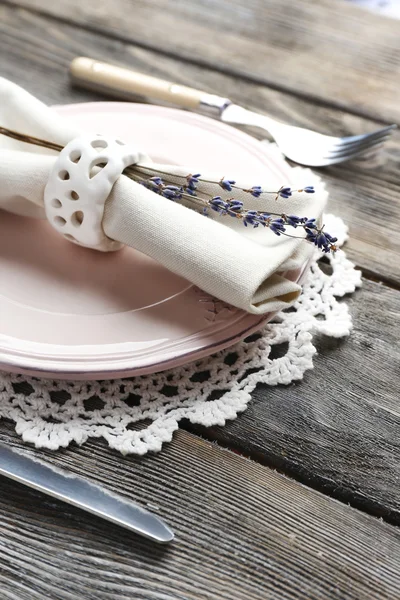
{"x": 126, "y": 83}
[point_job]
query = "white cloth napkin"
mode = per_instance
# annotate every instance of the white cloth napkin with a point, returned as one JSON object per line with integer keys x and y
{"x": 243, "y": 267}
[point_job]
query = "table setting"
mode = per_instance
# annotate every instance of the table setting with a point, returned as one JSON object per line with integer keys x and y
{"x": 163, "y": 270}
{"x": 245, "y": 278}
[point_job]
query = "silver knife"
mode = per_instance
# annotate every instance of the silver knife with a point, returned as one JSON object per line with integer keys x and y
{"x": 84, "y": 495}
{"x": 129, "y": 85}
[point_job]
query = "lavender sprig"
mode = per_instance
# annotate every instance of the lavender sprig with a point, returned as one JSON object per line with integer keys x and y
{"x": 227, "y": 185}
{"x": 232, "y": 207}
{"x": 276, "y": 223}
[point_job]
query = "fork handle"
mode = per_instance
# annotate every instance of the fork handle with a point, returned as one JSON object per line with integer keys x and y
{"x": 126, "y": 83}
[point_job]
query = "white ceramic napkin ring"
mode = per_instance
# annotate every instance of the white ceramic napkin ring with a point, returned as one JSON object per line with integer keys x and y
{"x": 79, "y": 185}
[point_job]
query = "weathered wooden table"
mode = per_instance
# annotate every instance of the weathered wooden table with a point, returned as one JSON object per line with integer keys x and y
{"x": 309, "y": 504}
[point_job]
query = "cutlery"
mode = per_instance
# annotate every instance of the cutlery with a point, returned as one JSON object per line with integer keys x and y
{"x": 84, "y": 495}
{"x": 300, "y": 145}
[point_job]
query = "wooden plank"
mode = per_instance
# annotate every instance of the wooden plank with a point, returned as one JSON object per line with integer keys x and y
{"x": 333, "y": 51}
{"x": 35, "y": 52}
{"x": 338, "y": 429}
{"x": 242, "y": 530}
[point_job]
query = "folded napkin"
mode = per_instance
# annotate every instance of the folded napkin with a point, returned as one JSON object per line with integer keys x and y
{"x": 242, "y": 266}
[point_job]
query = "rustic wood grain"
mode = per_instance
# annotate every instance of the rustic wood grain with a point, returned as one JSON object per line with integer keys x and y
{"x": 337, "y": 53}
{"x": 339, "y": 428}
{"x": 315, "y": 451}
{"x": 243, "y": 532}
{"x": 36, "y": 51}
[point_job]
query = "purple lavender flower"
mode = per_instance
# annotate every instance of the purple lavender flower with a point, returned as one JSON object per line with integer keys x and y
{"x": 255, "y": 191}
{"x": 168, "y": 194}
{"x": 277, "y": 226}
{"x": 192, "y": 181}
{"x": 172, "y": 192}
{"x": 219, "y": 205}
{"x": 330, "y": 238}
{"x": 309, "y": 189}
{"x": 330, "y": 246}
{"x": 285, "y": 192}
{"x": 322, "y": 240}
{"x": 156, "y": 180}
{"x": 251, "y": 218}
{"x": 235, "y": 205}
{"x": 294, "y": 221}
{"x": 310, "y": 224}
{"x": 264, "y": 219}
{"x": 227, "y": 184}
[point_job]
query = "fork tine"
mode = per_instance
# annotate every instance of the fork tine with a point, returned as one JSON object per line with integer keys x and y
{"x": 357, "y": 152}
{"x": 366, "y": 140}
{"x": 361, "y": 147}
{"x": 337, "y": 148}
{"x": 355, "y": 139}
{"x": 313, "y": 149}
{"x": 350, "y": 156}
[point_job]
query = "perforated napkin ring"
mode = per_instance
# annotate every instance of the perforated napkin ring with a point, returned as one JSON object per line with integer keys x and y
{"x": 79, "y": 185}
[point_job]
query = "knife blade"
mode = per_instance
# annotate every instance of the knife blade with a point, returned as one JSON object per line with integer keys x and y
{"x": 82, "y": 494}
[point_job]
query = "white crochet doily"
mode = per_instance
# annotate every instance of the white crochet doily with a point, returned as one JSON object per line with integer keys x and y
{"x": 137, "y": 415}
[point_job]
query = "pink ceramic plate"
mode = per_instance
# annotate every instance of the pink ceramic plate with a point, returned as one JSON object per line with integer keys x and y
{"x": 72, "y": 313}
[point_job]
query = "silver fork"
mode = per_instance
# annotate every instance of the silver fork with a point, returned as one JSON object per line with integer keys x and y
{"x": 303, "y": 146}
{"x": 308, "y": 147}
